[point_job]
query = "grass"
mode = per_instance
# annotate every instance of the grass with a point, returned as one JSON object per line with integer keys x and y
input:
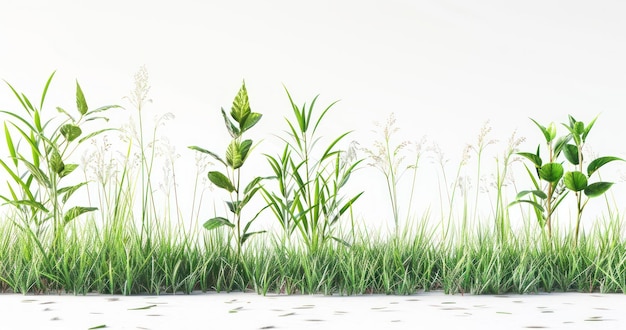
{"x": 125, "y": 249}
{"x": 92, "y": 261}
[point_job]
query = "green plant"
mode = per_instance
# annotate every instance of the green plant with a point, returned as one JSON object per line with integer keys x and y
{"x": 389, "y": 159}
{"x": 236, "y": 154}
{"x": 310, "y": 185}
{"x": 501, "y": 214}
{"x": 546, "y": 199}
{"x": 38, "y": 172}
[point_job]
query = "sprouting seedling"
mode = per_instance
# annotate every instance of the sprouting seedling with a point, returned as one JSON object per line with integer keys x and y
{"x": 241, "y": 120}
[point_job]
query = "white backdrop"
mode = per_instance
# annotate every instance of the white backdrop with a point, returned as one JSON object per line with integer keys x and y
{"x": 443, "y": 68}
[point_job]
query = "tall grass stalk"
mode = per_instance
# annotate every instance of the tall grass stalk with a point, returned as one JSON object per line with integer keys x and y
{"x": 139, "y": 98}
{"x": 389, "y": 158}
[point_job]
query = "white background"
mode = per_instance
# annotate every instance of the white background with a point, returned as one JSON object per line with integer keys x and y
{"x": 443, "y": 68}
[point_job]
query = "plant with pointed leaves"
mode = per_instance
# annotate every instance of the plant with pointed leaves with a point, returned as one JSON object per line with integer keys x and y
{"x": 241, "y": 120}
{"x": 310, "y": 197}
{"x": 559, "y": 182}
{"x": 35, "y": 190}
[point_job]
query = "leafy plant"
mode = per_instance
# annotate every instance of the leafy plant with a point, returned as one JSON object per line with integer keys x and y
{"x": 241, "y": 120}
{"x": 310, "y": 185}
{"x": 546, "y": 199}
{"x": 39, "y": 160}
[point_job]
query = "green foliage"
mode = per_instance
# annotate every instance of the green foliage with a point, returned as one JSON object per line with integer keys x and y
{"x": 558, "y": 182}
{"x": 310, "y": 183}
{"x": 35, "y": 187}
{"x": 241, "y": 120}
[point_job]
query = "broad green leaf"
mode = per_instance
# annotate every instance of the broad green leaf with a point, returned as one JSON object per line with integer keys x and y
{"x": 535, "y": 159}
{"x": 597, "y": 188}
{"x": 212, "y": 154}
{"x": 551, "y": 172}
{"x": 575, "y": 181}
{"x": 579, "y": 128}
{"x": 70, "y": 131}
{"x": 599, "y": 162}
{"x": 245, "y": 149}
{"x": 69, "y": 168}
{"x": 221, "y": 180}
{"x": 241, "y": 106}
{"x": 251, "y": 120}
{"x": 232, "y": 128}
{"x": 68, "y": 191}
{"x": 571, "y": 153}
{"x": 235, "y": 207}
{"x": 217, "y": 222}
{"x": 75, "y": 211}
{"x": 551, "y": 129}
{"x": 56, "y": 163}
{"x": 537, "y": 193}
{"x": 81, "y": 103}
{"x": 237, "y": 152}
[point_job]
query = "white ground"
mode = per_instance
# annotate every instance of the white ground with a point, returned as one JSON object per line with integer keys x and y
{"x": 433, "y": 310}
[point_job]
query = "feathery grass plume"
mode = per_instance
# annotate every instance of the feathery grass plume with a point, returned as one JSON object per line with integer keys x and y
{"x": 138, "y": 98}
{"x": 503, "y": 164}
{"x": 481, "y": 144}
{"x": 389, "y": 157}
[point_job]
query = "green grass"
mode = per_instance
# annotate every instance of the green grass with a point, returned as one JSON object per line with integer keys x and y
{"x": 105, "y": 261}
